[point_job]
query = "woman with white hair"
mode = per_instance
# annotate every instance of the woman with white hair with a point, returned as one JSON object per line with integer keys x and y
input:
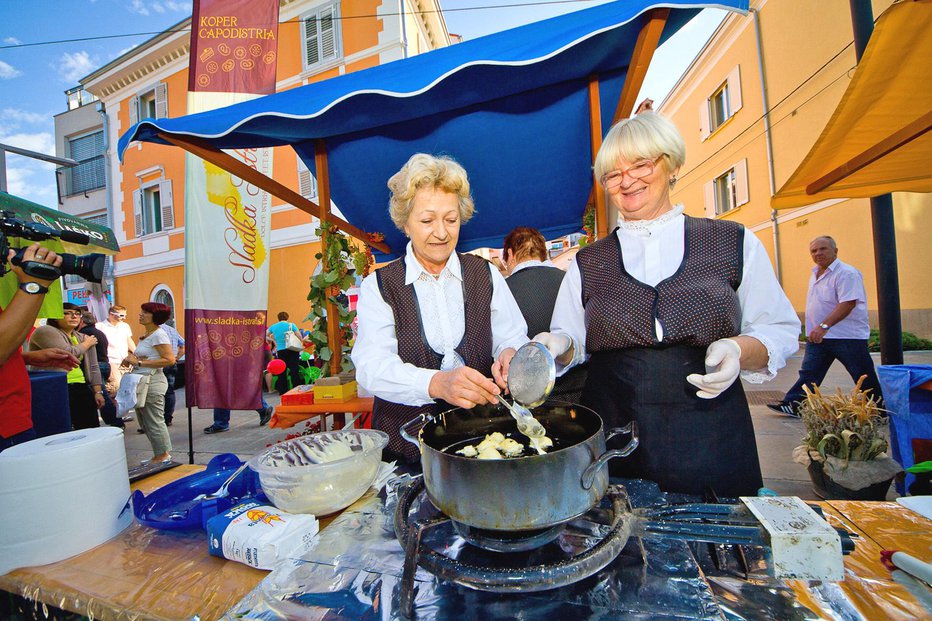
{"x": 434, "y": 324}
{"x": 670, "y": 310}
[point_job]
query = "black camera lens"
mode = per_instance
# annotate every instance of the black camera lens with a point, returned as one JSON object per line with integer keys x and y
{"x": 90, "y": 267}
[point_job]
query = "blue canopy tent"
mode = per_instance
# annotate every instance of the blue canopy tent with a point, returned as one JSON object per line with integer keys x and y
{"x": 523, "y": 110}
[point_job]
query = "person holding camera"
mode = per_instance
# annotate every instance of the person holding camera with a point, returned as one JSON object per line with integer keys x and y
{"x": 16, "y": 320}
{"x": 85, "y": 387}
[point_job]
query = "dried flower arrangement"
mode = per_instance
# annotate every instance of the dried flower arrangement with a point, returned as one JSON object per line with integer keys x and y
{"x": 845, "y": 439}
{"x": 849, "y": 427}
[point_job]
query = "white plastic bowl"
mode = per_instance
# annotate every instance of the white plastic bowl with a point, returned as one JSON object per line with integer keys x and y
{"x": 326, "y": 487}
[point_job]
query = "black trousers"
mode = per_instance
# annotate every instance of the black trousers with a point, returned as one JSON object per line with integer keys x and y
{"x": 83, "y": 406}
{"x": 171, "y": 372}
{"x": 292, "y": 360}
{"x": 108, "y": 412}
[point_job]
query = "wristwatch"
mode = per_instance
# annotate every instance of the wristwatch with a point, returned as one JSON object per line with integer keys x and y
{"x": 824, "y": 326}
{"x": 33, "y": 288}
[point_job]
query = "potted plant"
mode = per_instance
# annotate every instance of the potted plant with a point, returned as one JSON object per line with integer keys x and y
{"x": 333, "y": 280}
{"x": 845, "y": 449}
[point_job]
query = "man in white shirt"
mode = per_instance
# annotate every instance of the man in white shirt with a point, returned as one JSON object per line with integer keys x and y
{"x": 836, "y": 325}
{"x": 119, "y": 340}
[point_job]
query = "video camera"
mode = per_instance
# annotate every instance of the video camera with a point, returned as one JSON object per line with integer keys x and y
{"x": 88, "y": 266}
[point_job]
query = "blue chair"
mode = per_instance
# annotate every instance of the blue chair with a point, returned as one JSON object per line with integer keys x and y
{"x": 50, "y": 411}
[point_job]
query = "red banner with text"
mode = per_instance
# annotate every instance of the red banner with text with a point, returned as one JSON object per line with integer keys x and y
{"x": 224, "y": 350}
{"x": 234, "y": 46}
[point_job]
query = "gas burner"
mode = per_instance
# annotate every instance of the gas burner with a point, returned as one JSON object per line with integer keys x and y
{"x": 559, "y": 556}
{"x": 507, "y": 541}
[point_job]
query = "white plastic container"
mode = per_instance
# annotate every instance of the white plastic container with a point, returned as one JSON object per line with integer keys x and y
{"x": 326, "y": 487}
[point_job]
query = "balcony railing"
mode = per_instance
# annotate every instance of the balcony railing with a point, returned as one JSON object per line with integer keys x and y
{"x": 88, "y": 175}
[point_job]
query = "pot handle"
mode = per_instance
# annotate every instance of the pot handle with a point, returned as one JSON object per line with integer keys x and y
{"x": 588, "y": 475}
{"x": 413, "y": 426}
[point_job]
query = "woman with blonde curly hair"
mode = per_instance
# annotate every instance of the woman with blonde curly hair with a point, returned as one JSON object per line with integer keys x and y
{"x": 434, "y": 324}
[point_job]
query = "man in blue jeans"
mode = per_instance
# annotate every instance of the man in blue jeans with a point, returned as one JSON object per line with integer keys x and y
{"x": 222, "y": 418}
{"x": 836, "y": 325}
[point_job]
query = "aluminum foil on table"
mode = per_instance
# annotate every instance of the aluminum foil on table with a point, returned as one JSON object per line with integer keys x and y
{"x": 354, "y": 573}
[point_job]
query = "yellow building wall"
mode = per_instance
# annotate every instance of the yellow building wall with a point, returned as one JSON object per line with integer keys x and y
{"x": 137, "y": 289}
{"x": 290, "y": 266}
{"x": 808, "y": 60}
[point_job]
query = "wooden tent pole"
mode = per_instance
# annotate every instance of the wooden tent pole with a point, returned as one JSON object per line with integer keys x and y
{"x": 233, "y": 166}
{"x": 595, "y": 141}
{"x": 334, "y": 339}
{"x": 644, "y": 48}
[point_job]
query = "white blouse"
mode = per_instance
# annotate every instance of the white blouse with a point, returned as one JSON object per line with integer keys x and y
{"x": 653, "y": 251}
{"x": 381, "y": 371}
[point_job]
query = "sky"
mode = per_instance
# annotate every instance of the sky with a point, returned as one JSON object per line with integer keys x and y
{"x": 34, "y": 73}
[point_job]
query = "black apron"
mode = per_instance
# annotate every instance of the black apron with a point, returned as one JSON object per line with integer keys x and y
{"x": 687, "y": 443}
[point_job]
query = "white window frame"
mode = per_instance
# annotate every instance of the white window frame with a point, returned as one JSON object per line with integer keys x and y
{"x": 307, "y": 182}
{"x": 141, "y": 209}
{"x": 737, "y": 190}
{"x": 731, "y": 101}
{"x": 325, "y": 60}
{"x": 153, "y": 297}
{"x": 157, "y": 93}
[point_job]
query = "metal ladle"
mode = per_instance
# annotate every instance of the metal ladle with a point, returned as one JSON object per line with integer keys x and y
{"x": 531, "y": 377}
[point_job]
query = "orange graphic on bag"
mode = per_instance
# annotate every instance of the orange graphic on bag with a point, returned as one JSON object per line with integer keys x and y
{"x": 258, "y": 515}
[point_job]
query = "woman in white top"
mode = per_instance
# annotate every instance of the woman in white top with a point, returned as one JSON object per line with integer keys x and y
{"x": 434, "y": 324}
{"x": 152, "y": 354}
{"x": 669, "y": 310}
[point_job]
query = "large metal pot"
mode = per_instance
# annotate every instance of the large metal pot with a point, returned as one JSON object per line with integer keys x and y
{"x": 518, "y": 494}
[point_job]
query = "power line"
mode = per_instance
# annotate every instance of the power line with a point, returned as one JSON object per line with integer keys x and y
{"x": 294, "y": 20}
{"x": 772, "y": 109}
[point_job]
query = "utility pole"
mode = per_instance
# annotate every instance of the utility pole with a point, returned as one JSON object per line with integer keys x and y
{"x": 884, "y": 232}
{"x": 61, "y": 161}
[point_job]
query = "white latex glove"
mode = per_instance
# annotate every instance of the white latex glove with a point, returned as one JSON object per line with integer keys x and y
{"x": 556, "y": 344}
{"x": 722, "y": 364}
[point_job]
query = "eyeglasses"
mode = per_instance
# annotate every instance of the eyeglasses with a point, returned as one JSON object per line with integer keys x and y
{"x": 120, "y": 315}
{"x": 613, "y": 179}
{"x": 72, "y": 313}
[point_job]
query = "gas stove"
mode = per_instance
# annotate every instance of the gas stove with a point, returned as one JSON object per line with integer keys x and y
{"x": 366, "y": 566}
{"x": 539, "y": 560}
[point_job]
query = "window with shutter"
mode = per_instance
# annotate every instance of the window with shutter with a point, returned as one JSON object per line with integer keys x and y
{"x": 742, "y": 192}
{"x": 167, "y": 208}
{"x": 322, "y": 36}
{"x": 311, "y": 39}
{"x": 719, "y": 110}
{"x": 161, "y": 100}
{"x": 307, "y": 184}
{"x": 722, "y": 104}
{"x": 88, "y": 151}
{"x": 138, "y": 221}
{"x": 327, "y": 38}
{"x": 725, "y": 199}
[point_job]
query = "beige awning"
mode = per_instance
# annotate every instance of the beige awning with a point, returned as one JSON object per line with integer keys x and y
{"x": 878, "y": 139}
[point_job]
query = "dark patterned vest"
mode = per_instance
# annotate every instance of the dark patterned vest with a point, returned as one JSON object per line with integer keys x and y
{"x": 697, "y": 305}
{"x": 535, "y": 290}
{"x": 475, "y": 348}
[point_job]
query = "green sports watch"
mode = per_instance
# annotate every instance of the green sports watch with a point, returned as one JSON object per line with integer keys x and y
{"x": 33, "y": 288}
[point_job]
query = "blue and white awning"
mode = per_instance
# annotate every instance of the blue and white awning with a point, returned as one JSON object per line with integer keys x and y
{"x": 511, "y": 107}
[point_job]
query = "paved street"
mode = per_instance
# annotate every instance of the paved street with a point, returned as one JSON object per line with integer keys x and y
{"x": 776, "y": 435}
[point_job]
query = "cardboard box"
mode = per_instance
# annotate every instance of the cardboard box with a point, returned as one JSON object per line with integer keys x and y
{"x": 336, "y": 393}
{"x": 299, "y": 395}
